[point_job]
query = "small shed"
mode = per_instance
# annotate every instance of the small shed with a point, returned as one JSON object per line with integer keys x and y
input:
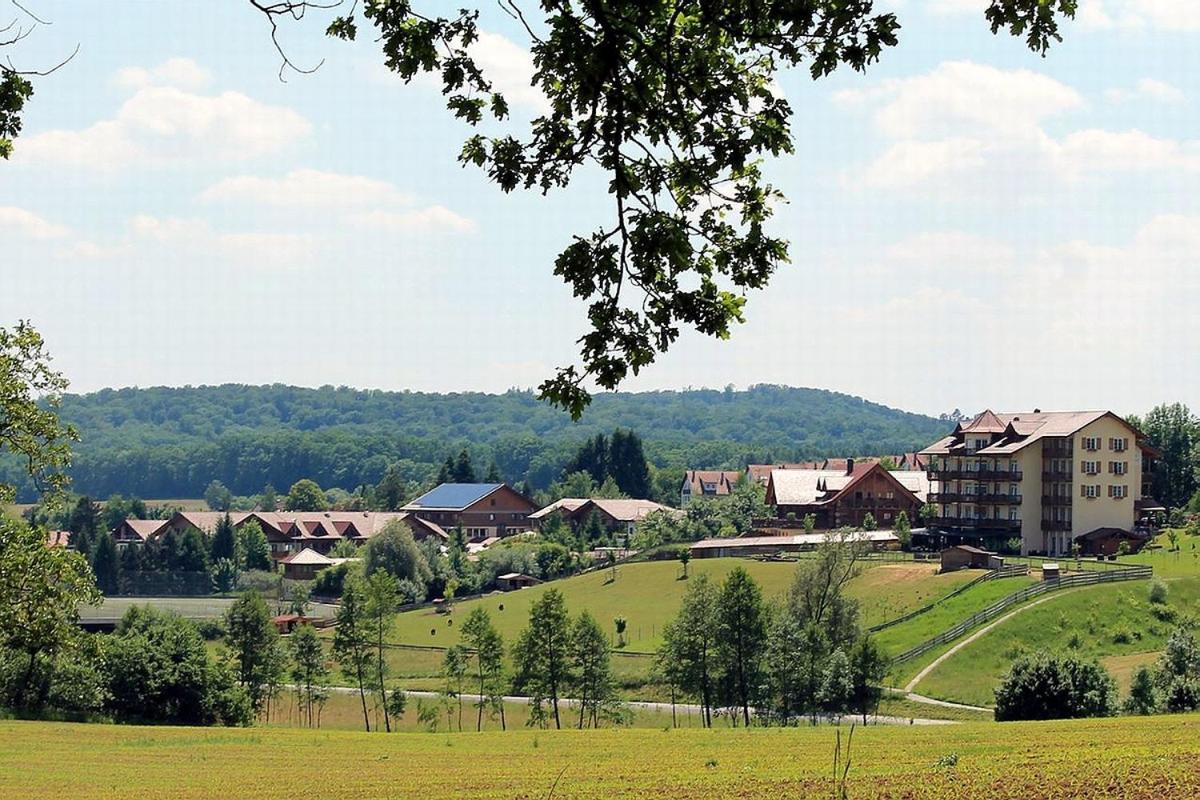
{"x": 515, "y": 580}
{"x": 1107, "y": 541}
{"x": 1051, "y": 571}
{"x": 965, "y": 556}
{"x": 305, "y": 565}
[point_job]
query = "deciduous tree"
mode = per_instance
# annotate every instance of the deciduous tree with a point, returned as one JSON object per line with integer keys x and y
{"x": 542, "y": 653}
{"x": 742, "y": 618}
{"x": 250, "y": 639}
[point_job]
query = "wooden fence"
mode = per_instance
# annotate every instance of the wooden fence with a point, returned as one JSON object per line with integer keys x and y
{"x": 1008, "y": 571}
{"x": 1125, "y": 572}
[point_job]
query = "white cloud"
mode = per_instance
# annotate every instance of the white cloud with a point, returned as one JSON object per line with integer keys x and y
{"x": 965, "y": 125}
{"x": 251, "y": 248}
{"x": 957, "y": 6}
{"x": 29, "y": 224}
{"x": 181, "y": 73}
{"x": 1167, "y": 15}
{"x": 1148, "y": 89}
{"x": 364, "y": 202}
{"x": 306, "y": 188}
{"x": 424, "y": 220}
{"x": 962, "y": 97}
{"x": 510, "y": 69}
{"x": 162, "y": 124}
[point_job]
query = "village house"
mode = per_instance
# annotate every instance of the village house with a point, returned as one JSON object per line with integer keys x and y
{"x": 1049, "y": 480}
{"x": 482, "y": 510}
{"x": 707, "y": 483}
{"x": 287, "y": 532}
{"x": 844, "y": 497}
{"x": 904, "y": 462}
{"x": 620, "y": 515}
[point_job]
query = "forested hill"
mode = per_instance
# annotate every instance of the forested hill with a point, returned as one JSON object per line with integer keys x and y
{"x": 170, "y": 442}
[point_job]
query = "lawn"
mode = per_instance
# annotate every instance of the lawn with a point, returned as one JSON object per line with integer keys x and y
{"x": 899, "y": 638}
{"x": 893, "y": 590}
{"x": 190, "y": 607}
{"x": 647, "y": 594}
{"x": 1157, "y": 758}
{"x": 1097, "y": 622}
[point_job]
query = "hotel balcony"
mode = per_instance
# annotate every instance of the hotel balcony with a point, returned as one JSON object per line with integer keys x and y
{"x": 1057, "y": 476}
{"x": 1056, "y": 524}
{"x": 976, "y": 524}
{"x": 949, "y": 474}
{"x": 1056, "y": 499}
{"x": 1000, "y": 498}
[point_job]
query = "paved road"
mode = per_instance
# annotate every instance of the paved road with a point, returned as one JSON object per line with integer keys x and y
{"x": 680, "y": 708}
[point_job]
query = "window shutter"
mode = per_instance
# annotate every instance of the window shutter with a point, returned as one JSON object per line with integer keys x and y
{"x": 1082, "y": 490}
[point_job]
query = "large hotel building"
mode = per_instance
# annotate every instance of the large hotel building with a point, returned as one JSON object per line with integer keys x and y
{"x": 1049, "y": 479}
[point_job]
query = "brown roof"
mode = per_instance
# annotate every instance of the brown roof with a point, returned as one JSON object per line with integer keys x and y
{"x": 145, "y": 528}
{"x": 1013, "y": 431}
{"x": 58, "y": 538}
{"x": 724, "y": 480}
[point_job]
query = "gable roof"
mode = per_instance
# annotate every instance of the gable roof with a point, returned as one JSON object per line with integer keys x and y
{"x": 453, "y": 496}
{"x": 814, "y": 486}
{"x": 1014, "y": 431}
{"x": 628, "y": 510}
{"x": 565, "y": 505}
{"x": 145, "y": 528}
{"x": 724, "y": 480}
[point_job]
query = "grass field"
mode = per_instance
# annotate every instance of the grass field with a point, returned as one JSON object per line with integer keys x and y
{"x": 899, "y": 638}
{"x": 190, "y": 607}
{"x": 1095, "y": 622}
{"x": 1156, "y": 758}
{"x": 648, "y": 595}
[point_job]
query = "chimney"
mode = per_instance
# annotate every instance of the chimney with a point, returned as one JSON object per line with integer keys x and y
{"x": 849, "y": 465}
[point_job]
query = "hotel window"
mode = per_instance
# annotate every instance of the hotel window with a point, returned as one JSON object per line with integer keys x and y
{"x": 1118, "y": 491}
{"x": 1118, "y": 467}
{"x": 1012, "y": 514}
{"x": 1091, "y": 443}
{"x": 1118, "y": 445}
{"x": 1089, "y": 490}
{"x": 1091, "y": 467}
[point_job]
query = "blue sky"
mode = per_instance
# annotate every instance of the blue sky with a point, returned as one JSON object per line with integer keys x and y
{"x": 971, "y": 225}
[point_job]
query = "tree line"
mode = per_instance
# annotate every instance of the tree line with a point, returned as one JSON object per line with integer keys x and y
{"x": 164, "y": 442}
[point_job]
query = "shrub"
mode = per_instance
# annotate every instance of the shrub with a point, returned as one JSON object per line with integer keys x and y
{"x": 1182, "y": 694}
{"x": 1164, "y": 613}
{"x": 1143, "y": 698}
{"x": 211, "y": 629}
{"x": 1123, "y": 636}
{"x": 1158, "y": 592}
{"x": 1044, "y": 686}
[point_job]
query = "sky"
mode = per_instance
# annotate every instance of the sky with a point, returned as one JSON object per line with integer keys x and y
{"x": 971, "y": 225}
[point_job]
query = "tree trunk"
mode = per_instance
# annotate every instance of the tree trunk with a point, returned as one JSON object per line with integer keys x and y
{"x": 362, "y": 694}
{"x": 387, "y": 722}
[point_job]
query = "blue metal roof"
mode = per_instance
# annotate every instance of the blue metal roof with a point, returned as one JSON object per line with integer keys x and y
{"x": 454, "y": 495}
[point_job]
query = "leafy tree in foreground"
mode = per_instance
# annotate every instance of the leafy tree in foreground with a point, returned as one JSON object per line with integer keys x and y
{"x": 309, "y": 672}
{"x": 868, "y": 667}
{"x": 30, "y": 392}
{"x": 393, "y": 550}
{"x": 41, "y": 589}
{"x": 1046, "y": 686}
{"x": 382, "y": 599}
{"x": 487, "y": 646}
{"x": 592, "y": 669}
{"x": 351, "y": 640}
{"x": 689, "y": 651}
{"x": 1143, "y": 697}
{"x": 542, "y": 656}
{"x": 742, "y": 619}
{"x": 674, "y": 103}
{"x": 250, "y": 638}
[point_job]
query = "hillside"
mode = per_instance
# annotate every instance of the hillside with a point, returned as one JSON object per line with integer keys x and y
{"x": 170, "y": 442}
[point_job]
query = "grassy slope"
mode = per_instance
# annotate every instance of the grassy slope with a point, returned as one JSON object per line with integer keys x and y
{"x": 648, "y": 595}
{"x": 900, "y": 637}
{"x": 1096, "y": 622}
{"x": 1157, "y": 758}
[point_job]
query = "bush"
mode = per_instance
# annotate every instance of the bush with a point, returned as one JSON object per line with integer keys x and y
{"x": 1158, "y": 592}
{"x": 262, "y": 581}
{"x": 1045, "y": 686}
{"x": 211, "y": 629}
{"x": 332, "y": 580}
{"x": 1164, "y": 613}
{"x": 1143, "y": 698}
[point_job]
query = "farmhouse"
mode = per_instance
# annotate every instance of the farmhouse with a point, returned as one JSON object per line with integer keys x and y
{"x": 616, "y": 515}
{"x": 482, "y": 510}
{"x": 746, "y": 546}
{"x": 287, "y": 532}
{"x": 904, "y": 462}
{"x": 707, "y": 483}
{"x": 1048, "y": 479}
{"x": 515, "y": 580}
{"x": 845, "y": 497}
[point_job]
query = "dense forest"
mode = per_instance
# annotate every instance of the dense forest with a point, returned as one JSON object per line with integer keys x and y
{"x": 171, "y": 442}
